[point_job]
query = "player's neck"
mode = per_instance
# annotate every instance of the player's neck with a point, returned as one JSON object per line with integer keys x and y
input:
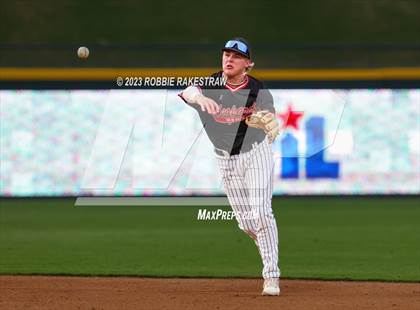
{"x": 236, "y": 80}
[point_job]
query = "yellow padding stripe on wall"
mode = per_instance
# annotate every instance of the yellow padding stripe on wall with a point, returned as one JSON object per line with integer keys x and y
{"x": 99, "y": 74}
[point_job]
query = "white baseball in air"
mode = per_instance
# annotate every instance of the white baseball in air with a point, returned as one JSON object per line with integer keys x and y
{"x": 83, "y": 52}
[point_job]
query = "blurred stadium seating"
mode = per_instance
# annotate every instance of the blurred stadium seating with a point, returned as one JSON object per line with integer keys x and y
{"x": 285, "y": 34}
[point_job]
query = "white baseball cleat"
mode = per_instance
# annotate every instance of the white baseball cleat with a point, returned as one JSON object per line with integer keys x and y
{"x": 271, "y": 287}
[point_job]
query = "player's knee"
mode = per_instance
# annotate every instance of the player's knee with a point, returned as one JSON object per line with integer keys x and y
{"x": 251, "y": 232}
{"x": 264, "y": 218}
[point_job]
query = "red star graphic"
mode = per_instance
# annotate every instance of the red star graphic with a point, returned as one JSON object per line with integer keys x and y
{"x": 290, "y": 118}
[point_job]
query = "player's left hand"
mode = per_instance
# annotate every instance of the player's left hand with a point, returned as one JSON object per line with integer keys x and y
{"x": 266, "y": 121}
{"x": 272, "y": 129}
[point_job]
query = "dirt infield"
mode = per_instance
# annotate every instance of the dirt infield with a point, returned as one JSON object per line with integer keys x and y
{"x": 41, "y": 292}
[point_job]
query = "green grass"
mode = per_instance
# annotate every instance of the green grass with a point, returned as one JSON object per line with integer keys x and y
{"x": 323, "y": 238}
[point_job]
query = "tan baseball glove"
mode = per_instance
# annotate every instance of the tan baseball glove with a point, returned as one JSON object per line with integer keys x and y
{"x": 266, "y": 121}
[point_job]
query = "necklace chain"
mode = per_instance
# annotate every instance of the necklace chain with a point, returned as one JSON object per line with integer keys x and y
{"x": 236, "y": 84}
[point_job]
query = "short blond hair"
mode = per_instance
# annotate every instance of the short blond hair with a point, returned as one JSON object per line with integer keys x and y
{"x": 250, "y": 67}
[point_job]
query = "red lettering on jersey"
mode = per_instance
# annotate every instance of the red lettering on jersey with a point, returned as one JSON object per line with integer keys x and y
{"x": 233, "y": 114}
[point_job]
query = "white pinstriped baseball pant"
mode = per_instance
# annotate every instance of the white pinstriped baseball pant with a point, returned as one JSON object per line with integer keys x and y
{"x": 248, "y": 183}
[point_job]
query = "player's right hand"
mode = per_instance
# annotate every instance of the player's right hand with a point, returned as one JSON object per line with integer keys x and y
{"x": 207, "y": 104}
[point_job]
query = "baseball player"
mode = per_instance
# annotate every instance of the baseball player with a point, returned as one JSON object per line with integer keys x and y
{"x": 239, "y": 119}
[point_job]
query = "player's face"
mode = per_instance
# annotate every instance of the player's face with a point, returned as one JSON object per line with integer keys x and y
{"x": 234, "y": 64}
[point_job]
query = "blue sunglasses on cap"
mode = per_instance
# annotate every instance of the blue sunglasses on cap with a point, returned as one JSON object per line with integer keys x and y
{"x": 239, "y": 46}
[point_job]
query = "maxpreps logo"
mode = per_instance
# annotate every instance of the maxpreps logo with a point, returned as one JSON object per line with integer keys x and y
{"x": 313, "y": 160}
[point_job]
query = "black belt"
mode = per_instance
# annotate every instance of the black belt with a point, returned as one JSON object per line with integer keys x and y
{"x": 236, "y": 151}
